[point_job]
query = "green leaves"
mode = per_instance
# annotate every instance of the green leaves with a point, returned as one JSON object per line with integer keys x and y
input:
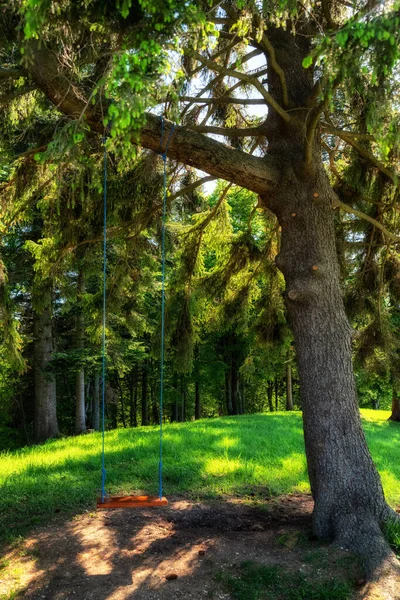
{"x": 307, "y": 61}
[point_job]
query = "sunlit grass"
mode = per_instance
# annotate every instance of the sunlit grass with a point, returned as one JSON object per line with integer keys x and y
{"x": 207, "y": 458}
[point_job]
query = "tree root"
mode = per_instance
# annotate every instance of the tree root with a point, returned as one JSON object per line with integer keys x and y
{"x": 362, "y": 534}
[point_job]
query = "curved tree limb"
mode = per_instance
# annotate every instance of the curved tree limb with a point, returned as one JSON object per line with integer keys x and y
{"x": 188, "y": 147}
{"x": 358, "y": 213}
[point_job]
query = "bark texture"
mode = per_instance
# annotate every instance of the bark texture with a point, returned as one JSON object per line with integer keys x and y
{"x": 46, "y": 425}
{"x": 349, "y": 500}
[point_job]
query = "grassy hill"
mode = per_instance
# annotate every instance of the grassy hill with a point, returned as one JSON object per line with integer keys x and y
{"x": 261, "y": 454}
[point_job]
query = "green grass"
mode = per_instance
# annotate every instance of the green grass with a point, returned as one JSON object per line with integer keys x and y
{"x": 252, "y": 581}
{"x": 207, "y": 458}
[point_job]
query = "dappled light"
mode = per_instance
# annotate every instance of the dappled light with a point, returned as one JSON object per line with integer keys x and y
{"x": 208, "y": 458}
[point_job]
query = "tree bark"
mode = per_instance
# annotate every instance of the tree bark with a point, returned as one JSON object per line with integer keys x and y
{"x": 289, "y": 387}
{"x": 348, "y": 495}
{"x": 80, "y": 413}
{"x": 395, "y": 416}
{"x": 46, "y": 425}
{"x": 276, "y": 385}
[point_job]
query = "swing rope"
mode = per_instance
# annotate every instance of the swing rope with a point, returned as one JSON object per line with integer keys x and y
{"x": 164, "y": 215}
{"x": 103, "y": 344}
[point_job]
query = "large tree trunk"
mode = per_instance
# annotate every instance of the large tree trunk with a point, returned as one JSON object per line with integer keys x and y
{"x": 46, "y": 425}
{"x": 80, "y": 413}
{"x": 349, "y": 500}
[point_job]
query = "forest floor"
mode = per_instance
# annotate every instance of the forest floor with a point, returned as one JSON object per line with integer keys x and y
{"x": 237, "y": 527}
{"x": 237, "y": 549}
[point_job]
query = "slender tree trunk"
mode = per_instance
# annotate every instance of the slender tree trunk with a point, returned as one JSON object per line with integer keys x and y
{"x": 46, "y": 425}
{"x": 395, "y": 416}
{"x": 243, "y": 398}
{"x": 197, "y": 401}
{"x": 121, "y": 398}
{"x": 184, "y": 399}
{"x": 80, "y": 413}
{"x": 289, "y": 387}
{"x": 96, "y": 403}
{"x": 135, "y": 405}
{"x": 276, "y": 385}
{"x": 270, "y": 390}
{"x": 228, "y": 392}
{"x": 145, "y": 420}
{"x": 234, "y": 390}
{"x": 154, "y": 403}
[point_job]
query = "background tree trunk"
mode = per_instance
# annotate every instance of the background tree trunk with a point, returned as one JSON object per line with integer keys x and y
{"x": 289, "y": 387}
{"x": 197, "y": 400}
{"x": 96, "y": 403}
{"x": 46, "y": 425}
{"x": 80, "y": 413}
{"x": 228, "y": 392}
{"x": 395, "y": 416}
{"x": 270, "y": 390}
{"x": 144, "y": 394}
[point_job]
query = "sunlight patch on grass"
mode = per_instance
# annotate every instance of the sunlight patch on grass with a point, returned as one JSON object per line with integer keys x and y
{"x": 207, "y": 457}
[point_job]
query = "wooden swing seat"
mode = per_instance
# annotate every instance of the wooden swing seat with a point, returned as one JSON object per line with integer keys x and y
{"x": 131, "y": 502}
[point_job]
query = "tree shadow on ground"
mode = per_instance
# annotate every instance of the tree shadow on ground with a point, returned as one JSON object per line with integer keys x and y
{"x": 123, "y": 554}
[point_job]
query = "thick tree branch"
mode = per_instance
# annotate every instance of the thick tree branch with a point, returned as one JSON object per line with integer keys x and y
{"x": 188, "y": 147}
{"x": 266, "y": 44}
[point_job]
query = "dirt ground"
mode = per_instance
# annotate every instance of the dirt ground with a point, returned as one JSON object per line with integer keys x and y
{"x": 166, "y": 553}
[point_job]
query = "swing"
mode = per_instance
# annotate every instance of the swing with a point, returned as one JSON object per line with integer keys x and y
{"x": 105, "y": 501}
